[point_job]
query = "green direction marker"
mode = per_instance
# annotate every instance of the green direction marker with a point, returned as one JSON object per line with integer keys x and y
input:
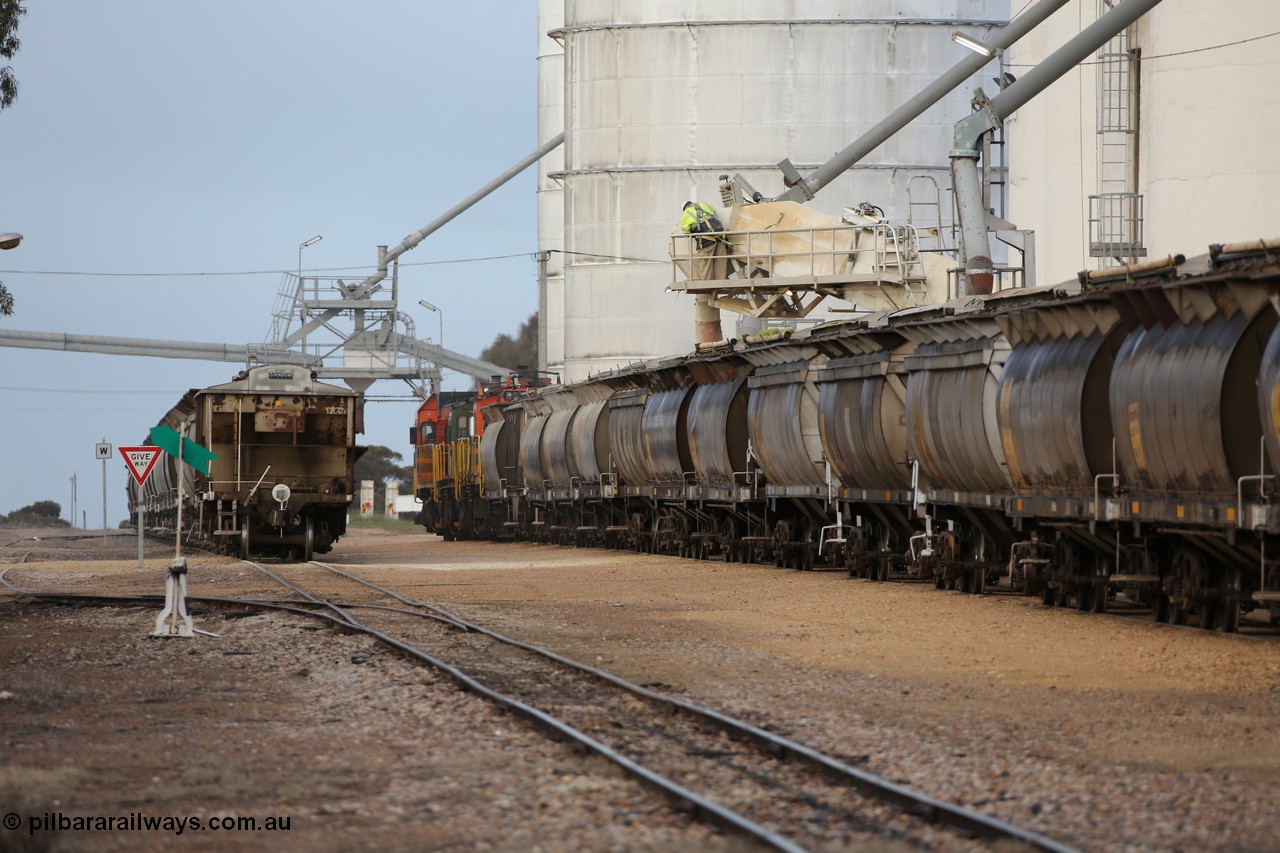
{"x": 193, "y": 454}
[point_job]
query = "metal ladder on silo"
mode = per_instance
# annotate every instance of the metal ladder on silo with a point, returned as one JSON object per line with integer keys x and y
{"x": 1115, "y": 211}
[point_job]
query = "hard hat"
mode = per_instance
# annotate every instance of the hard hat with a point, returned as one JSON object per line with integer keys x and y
{"x": 687, "y": 205}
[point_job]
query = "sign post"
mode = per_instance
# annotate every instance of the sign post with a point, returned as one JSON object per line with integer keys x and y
{"x": 103, "y": 452}
{"x": 174, "y": 621}
{"x": 140, "y": 461}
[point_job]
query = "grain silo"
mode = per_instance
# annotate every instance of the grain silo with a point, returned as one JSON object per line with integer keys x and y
{"x": 1162, "y": 143}
{"x": 661, "y": 98}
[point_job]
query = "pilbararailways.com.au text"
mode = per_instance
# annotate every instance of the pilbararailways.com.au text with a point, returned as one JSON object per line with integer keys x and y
{"x": 139, "y": 822}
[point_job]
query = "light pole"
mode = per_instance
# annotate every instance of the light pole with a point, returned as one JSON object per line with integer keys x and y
{"x": 425, "y": 304}
{"x": 302, "y": 291}
{"x": 303, "y": 245}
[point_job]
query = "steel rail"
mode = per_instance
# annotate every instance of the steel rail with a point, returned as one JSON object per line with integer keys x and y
{"x": 913, "y": 802}
{"x": 700, "y": 808}
{"x": 919, "y": 805}
{"x": 293, "y": 605}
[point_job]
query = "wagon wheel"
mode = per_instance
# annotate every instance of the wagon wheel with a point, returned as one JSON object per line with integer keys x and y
{"x": 1228, "y": 615}
{"x": 309, "y": 541}
{"x": 1099, "y": 602}
{"x": 1209, "y": 615}
{"x": 1160, "y": 606}
{"x": 1229, "y": 602}
{"x": 244, "y": 540}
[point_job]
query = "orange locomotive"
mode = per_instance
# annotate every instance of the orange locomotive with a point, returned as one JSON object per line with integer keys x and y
{"x": 447, "y": 474}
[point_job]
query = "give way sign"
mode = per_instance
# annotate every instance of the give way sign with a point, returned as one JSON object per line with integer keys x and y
{"x": 140, "y": 461}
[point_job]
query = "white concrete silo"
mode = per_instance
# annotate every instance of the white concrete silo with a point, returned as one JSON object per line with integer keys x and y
{"x": 662, "y": 97}
{"x": 550, "y": 193}
{"x": 1199, "y": 95}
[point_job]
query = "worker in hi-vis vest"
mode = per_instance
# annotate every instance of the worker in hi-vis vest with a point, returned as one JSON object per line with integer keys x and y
{"x": 700, "y": 218}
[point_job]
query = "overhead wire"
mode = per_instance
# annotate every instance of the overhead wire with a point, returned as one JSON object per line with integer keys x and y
{"x": 258, "y": 272}
{"x": 82, "y": 390}
{"x": 1155, "y": 56}
{"x": 321, "y": 269}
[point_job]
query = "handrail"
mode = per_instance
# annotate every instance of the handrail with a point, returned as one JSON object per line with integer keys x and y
{"x": 1097, "y": 492}
{"x": 833, "y": 246}
{"x": 1261, "y": 480}
{"x": 751, "y": 479}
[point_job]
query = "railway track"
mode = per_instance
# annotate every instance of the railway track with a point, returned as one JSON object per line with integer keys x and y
{"x": 1030, "y": 786}
{"x": 721, "y": 771}
{"x": 724, "y": 771}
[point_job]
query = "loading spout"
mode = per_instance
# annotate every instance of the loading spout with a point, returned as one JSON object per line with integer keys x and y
{"x": 706, "y": 320}
{"x": 975, "y": 248}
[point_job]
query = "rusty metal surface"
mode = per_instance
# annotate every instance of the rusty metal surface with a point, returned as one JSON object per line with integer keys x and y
{"x": 718, "y": 431}
{"x": 267, "y": 419}
{"x": 1053, "y": 413}
{"x": 626, "y": 436}
{"x": 783, "y": 418}
{"x": 952, "y": 390}
{"x": 589, "y": 442}
{"x": 666, "y": 435}
{"x": 1184, "y": 403}
{"x": 862, "y": 420}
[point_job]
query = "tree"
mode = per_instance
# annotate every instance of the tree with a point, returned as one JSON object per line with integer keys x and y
{"x": 518, "y": 352}
{"x": 38, "y": 514}
{"x": 10, "y": 12}
{"x": 383, "y": 465}
{"x": 47, "y": 509}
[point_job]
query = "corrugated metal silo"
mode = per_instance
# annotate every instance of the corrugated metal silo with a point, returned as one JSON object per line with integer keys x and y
{"x": 662, "y": 97}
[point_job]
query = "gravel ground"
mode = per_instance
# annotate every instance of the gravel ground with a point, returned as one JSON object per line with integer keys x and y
{"x": 1104, "y": 733}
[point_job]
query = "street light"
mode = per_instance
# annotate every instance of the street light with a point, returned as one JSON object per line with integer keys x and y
{"x": 973, "y": 44}
{"x": 425, "y": 304}
{"x": 301, "y": 246}
{"x": 10, "y": 240}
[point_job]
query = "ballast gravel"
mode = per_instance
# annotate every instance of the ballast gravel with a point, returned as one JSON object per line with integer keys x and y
{"x": 1105, "y": 733}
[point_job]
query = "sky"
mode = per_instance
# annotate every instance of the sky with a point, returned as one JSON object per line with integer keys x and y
{"x": 164, "y": 161}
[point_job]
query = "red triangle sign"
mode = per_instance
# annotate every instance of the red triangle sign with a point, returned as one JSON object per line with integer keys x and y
{"x": 140, "y": 461}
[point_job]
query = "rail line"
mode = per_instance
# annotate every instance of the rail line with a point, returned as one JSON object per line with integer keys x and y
{"x": 771, "y": 778}
{"x": 769, "y": 775}
{"x": 777, "y": 771}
